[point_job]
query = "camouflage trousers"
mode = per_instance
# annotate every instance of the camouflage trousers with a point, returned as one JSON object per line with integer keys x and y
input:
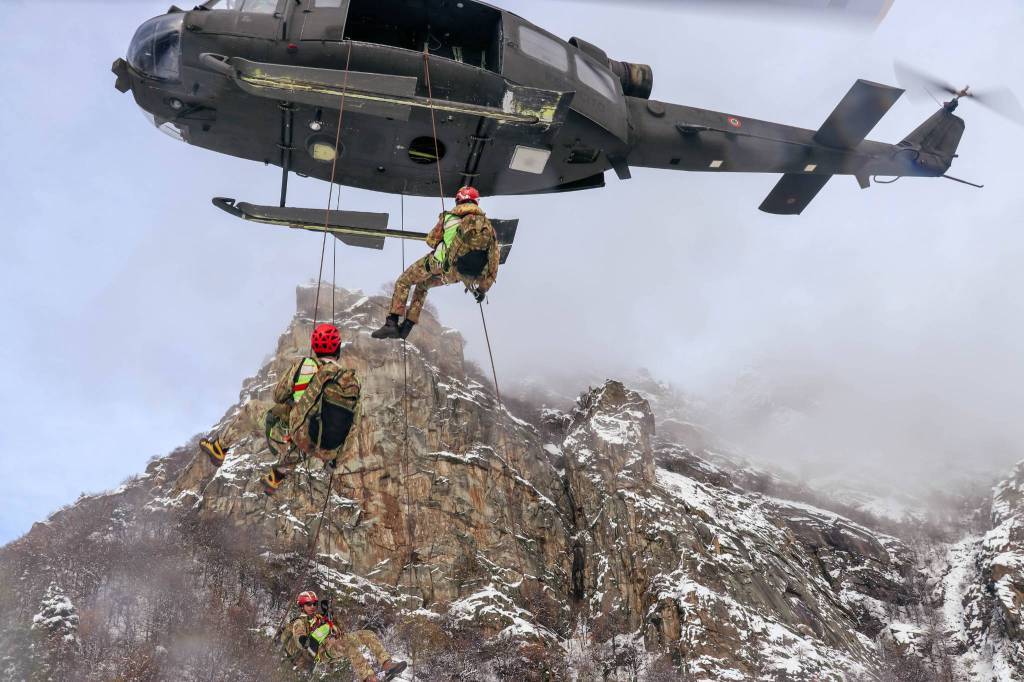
{"x": 424, "y": 274}
{"x": 346, "y": 645}
{"x": 342, "y": 645}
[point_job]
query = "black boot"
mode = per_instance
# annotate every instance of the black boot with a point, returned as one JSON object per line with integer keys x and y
{"x": 389, "y": 330}
{"x": 405, "y": 328}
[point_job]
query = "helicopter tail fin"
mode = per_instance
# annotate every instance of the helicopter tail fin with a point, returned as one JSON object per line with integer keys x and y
{"x": 936, "y": 140}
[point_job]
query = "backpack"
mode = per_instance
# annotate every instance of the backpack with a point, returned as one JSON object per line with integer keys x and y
{"x": 470, "y": 249}
{"x": 323, "y": 416}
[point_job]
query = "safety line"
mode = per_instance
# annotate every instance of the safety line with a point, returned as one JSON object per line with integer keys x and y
{"x": 330, "y": 193}
{"x": 497, "y": 391}
{"x": 311, "y": 549}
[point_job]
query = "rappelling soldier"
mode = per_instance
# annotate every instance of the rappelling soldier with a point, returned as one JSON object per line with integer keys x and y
{"x": 465, "y": 249}
{"x": 313, "y": 637}
{"x": 315, "y": 406}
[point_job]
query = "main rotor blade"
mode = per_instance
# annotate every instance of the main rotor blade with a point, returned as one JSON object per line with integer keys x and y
{"x": 917, "y": 82}
{"x": 1002, "y": 101}
{"x": 858, "y": 12}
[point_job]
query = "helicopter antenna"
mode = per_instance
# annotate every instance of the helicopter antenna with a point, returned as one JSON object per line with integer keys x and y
{"x": 963, "y": 182}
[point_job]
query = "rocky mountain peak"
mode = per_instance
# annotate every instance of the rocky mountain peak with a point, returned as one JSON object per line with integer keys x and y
{"x": 482, "y": 543}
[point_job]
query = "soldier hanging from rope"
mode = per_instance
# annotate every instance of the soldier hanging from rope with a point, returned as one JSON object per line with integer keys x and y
{"x": 316, "y": 404}
{"x": 465, "y": 249}
{"x": 314, "y": 637}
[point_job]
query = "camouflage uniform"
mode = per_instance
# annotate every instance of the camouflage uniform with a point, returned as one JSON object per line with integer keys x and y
{"x": 429, "y": 272}
{"x": 338, "y": 645}
{"x": 289, "y": 418}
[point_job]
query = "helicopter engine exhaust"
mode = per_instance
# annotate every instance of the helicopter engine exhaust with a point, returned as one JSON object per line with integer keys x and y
{"x": 637, "y": 79}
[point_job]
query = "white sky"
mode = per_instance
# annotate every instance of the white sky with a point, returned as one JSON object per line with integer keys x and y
{"x": 881, "y": 327}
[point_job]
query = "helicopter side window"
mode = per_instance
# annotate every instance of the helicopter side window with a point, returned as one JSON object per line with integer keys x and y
{"x": 329, "y": 4}
{"x": 540, "y": 47}
{"x": 251, "y": 6}
{"x": 595, "y": 78}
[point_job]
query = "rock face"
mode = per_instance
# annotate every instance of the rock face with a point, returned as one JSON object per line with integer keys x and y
{"x": 980, "y": 584}
{"x": 482, "y": 545}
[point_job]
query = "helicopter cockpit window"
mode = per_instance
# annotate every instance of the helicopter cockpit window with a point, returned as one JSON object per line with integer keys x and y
{"x": 595, "y": 78}
{"x": 251, "y": 6}
{"x": 539, "y": 46}
{"x": 155, "y": 49}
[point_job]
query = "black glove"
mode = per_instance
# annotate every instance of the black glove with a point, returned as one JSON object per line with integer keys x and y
{"x": 479, "y": 295}
{"x": 333, "y": 464}
{"x": 302, "y": 641}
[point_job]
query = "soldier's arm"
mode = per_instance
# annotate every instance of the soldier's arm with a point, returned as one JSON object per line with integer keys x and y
{"x": 491, "y": 273}
{"x": 299, "y": 629}
{"x": 283, "y": 389}
{"x": 436, "y": 234}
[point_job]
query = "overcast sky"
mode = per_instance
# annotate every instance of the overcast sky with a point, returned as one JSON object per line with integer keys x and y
{"x": 882, "y": 326}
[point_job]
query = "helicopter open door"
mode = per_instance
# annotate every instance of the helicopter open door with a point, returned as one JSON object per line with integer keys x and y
{"x": 466, "y": 32}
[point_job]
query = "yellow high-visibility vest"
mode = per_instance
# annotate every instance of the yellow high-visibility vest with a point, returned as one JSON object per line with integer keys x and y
{"x": 306, "y": 372}
{"x": 451, "y": 228}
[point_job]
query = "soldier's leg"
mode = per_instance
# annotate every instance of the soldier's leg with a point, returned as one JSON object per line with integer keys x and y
{"x": 280, "y": 469}
{"x": 347, "y": 646}
{"x": 243, "y": 423}
{"x": 433, "y": 277}
{"x": 372, "y": 642}
{"x": 413, "y": 275}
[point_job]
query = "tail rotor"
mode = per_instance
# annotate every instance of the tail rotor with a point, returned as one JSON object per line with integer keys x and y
{"x": 1000, "y": 100}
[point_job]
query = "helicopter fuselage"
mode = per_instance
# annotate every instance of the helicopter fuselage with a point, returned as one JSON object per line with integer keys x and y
{"x": 439, "y": 92}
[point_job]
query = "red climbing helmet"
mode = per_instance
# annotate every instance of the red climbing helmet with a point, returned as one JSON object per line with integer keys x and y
{"x": 326, "y": 340}
{"x": 467, "y": 194}
{"x": 307, "y": 598}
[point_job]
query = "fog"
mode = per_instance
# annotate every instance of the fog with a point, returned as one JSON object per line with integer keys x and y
{"x": 876, "y": 333}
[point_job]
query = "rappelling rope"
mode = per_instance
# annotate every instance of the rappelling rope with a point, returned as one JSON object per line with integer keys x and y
{"x": 311, "y": 549}
{"x": 410, "y": 521}
{"x": 330, "y": 191}
{"x": 501, "y": 408}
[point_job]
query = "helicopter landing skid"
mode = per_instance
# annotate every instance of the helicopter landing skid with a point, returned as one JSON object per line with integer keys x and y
{"x": 355, "y": 228}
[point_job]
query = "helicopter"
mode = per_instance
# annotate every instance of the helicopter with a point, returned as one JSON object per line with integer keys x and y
{"x": 409, "y": 96}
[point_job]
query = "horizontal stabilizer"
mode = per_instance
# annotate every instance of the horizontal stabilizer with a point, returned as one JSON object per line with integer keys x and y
{"x": 506, "y": 231}
{"x": 860, "y": 111}
{"x": 355, "y": 228}
{"x": 793, "y": 193}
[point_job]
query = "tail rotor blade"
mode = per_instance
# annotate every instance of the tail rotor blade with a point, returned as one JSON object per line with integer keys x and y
{"x": 1003, "y": 102}
{"x": 917, "y": 82}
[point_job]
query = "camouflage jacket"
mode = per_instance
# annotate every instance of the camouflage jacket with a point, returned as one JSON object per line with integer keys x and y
{"x": 486, "y": 280}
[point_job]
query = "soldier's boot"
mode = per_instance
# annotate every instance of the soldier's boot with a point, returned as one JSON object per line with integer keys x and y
{"x": 405, "y": 328}
{"x": 272, "y": 481}
{"x": 214, "y": 449}
{"x": 389, "y": 330}
{"x": 393, "y": 669}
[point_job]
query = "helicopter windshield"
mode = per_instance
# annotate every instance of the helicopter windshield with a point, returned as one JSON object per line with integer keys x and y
{"x": 156, "y": 48}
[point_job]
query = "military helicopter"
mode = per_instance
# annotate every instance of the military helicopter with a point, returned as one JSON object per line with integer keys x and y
{"x": 459, "y": 92}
